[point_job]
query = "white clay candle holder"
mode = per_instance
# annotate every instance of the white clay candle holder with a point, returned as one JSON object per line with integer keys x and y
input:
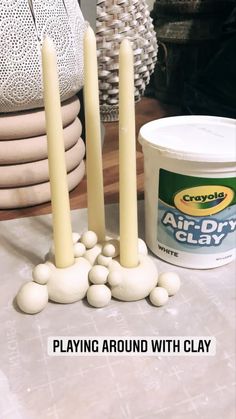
{"x": 133, "y": 284}
{"x": 99, "y": 269}
{"x": 126, "y": 284}
{"x": 71, "y": 284}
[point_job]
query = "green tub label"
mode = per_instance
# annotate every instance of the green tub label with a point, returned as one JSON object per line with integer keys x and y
{"x": 195, "y": 214}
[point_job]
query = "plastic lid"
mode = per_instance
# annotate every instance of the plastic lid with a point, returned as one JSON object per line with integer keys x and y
{"x": 195, "y": 138}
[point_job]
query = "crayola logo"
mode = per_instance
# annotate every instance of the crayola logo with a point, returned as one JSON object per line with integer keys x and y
{"x": 203, "y": 200}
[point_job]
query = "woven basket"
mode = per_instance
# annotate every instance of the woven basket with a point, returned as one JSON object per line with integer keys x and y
{"x": 116, "y": 20}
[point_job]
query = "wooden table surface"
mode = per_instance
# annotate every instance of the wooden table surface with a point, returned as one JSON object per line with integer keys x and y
{"x": 146, "y": 110}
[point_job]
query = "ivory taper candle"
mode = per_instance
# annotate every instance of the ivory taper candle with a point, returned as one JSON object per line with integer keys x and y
{"x": 62, "y": 233}
{"x": 95, "y": 193}
{"x": 127, "y": 159}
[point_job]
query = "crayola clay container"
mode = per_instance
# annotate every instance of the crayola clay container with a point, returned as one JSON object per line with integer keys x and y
{"x": 190, "y": 189}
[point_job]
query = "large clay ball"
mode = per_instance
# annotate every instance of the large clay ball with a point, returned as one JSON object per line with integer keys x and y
{"x": 170, "y": 281}
{"x": 158, "y": 296}
{"x": 32, "y": 297}
{"x": 99, "y": 296}
{"x": 89, "y": 239}
{"x": 98, "y": 274}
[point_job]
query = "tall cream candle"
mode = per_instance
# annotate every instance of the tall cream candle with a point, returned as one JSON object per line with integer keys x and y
{"x": 62, "y": 233}
{"x": 127, "y": 159}
{"x": 95, "y": 193}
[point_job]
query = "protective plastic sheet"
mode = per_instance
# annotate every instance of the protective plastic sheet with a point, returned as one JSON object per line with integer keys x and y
{"x": 36, "y": 386}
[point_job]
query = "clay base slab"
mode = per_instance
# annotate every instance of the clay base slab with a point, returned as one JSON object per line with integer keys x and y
{"x": 35, "y": 148}
{"x": 37, "y": 194}
{"x": 37, "y": 172}
{"x": 32, "y": 123}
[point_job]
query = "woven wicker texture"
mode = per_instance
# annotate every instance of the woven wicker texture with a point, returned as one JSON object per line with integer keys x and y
{"x": 116, "y": 20}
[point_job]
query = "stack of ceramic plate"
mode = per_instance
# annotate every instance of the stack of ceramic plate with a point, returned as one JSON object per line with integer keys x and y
{"x": 24, "y": 177}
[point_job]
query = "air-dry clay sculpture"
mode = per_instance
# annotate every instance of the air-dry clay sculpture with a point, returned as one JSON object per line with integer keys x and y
{"x": 34, "y": 173}
{"x": 24, "y": 176}
{"x": 97, "y": 273}
{"x": 36, "y": 194}
{"x": 85, "y": 265}
{"x": 32, "y": 149}
{"x": 31, "y": 123}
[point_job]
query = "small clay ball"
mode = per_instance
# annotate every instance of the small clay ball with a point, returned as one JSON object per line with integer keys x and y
{"x": 114, "y": 264}
{"x": 32, "y": 297}
{"x": 89, "y": 239}
{"x": 103, "y": 260}
{"x": 98, "y": 274}
{"x": 75, "y": 237}
{"x": 158, "y": 296}
{"x": 79, "y": 249}
{"x": 111, "y": 248}
{"x": 99, "y": 295}
{"x": 170, "y": 281}
{"x": 41, "y": 274}
{"x": 142, "y": 248}
{"x": 114, "y": 278}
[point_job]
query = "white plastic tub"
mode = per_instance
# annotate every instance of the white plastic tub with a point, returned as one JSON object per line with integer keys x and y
{"x": 190, "y": 189}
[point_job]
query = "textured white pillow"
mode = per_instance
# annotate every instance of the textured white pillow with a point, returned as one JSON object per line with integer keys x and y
{"x": 23, "y": 25}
